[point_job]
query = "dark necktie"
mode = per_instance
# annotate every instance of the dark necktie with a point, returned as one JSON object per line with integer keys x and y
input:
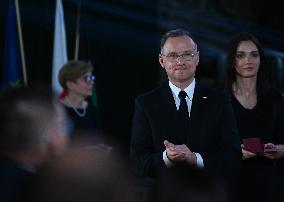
{"x": 183, "y": 114}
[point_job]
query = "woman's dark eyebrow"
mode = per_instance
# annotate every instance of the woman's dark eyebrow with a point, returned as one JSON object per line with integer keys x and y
{"x": 254, "y": 51}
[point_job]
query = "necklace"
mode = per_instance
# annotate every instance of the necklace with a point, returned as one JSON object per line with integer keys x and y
{"x": 81, "y": 114}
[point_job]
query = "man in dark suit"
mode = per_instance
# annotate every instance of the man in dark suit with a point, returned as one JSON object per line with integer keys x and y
{"x": 206, "y": 138}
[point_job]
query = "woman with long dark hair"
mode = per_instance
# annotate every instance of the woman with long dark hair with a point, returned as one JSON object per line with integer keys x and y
{"x": 259, "y": 112}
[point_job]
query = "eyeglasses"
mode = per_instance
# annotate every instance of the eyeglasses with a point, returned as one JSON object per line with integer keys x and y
{"x": 185, "y": 56}
{"x": 89, "y": 78}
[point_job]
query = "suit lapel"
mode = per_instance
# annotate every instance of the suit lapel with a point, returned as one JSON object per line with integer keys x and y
{"x": 167, "y": 99}
{"x": 197, "y": 108}
{"x": 167, "y": 103}
{"x": 170, "y": 110}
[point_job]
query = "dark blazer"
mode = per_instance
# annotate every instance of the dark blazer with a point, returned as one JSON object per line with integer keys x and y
{"x": 212, "y": 131}
{"x": 15, "y": 181}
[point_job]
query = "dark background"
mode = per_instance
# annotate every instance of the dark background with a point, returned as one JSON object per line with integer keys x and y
{"x": 121, "y": 38}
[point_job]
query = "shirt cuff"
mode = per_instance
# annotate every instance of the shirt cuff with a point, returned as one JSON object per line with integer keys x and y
{"x": 167, "y": 160}
{"x": 199, "y": 160}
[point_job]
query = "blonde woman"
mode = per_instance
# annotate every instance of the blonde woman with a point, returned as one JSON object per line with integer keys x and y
{"x": 77, "y": 80}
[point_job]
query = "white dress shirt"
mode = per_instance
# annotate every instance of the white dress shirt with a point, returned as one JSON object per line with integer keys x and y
{"x": 189, "y": 91}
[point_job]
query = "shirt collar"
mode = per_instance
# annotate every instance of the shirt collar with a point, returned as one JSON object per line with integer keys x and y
{"x": 189, "y": 89}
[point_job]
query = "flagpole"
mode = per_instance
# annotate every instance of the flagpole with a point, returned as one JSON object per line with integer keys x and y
{"x": 22, "y": 51}
{"x": 77, "y": 41}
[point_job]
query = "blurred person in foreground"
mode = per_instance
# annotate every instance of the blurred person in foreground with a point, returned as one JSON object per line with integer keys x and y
{"x": 31, "y": 131}
{"x": 77, "y": 80}
{"x": 84, "y": 174}
{"x": 259, "y": 111}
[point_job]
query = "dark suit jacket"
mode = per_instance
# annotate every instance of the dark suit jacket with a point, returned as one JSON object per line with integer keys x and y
{"x": 15, "y": 181}
{"x": 212, "y": 131}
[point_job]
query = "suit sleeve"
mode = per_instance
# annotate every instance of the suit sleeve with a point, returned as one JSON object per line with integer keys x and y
{"x": 278, "y": 120}
{"x": 145, "y": 159}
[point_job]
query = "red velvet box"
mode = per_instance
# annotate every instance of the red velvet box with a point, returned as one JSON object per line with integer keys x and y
{"x": 253, "y": 145}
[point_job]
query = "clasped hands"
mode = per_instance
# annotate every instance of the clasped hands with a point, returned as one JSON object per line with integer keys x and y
{"x": 269, "y": 154}
{"x": 177, "y": 153}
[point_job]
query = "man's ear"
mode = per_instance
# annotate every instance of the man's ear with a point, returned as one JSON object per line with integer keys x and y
{"x": 161, "y": 61}
{"x": 57, "y": 145}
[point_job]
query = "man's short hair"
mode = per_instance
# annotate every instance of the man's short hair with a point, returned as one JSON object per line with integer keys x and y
{"x": 175, "y": 33}
{"x": 26, "y": 114}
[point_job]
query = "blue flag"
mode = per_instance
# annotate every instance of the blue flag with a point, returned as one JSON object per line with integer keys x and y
{"x": 12, "y": 71}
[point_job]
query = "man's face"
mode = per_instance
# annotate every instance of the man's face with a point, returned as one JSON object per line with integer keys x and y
{"x": 179, "y": 58}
